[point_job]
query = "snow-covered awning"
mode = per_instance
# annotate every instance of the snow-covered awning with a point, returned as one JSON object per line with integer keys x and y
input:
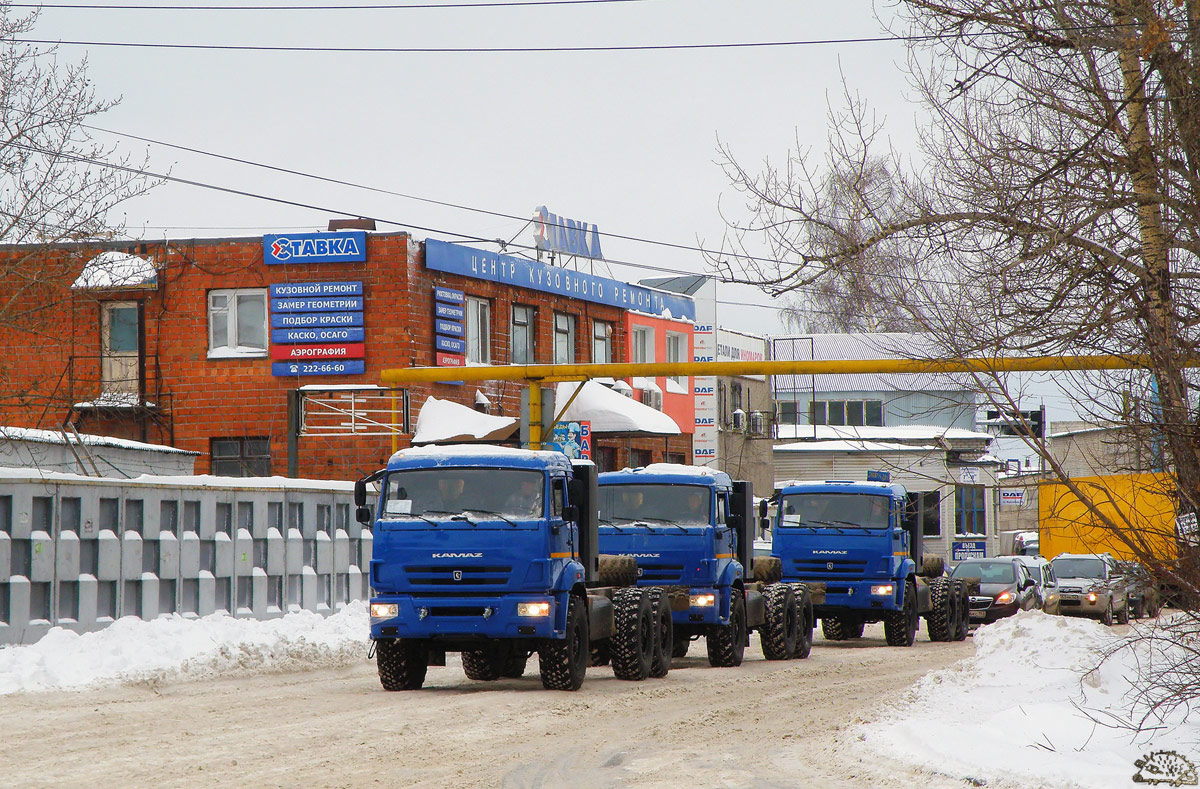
{"x": 114, "y": 270}
{"x": 612, "y": 412}
{"x": 448, "y": 422}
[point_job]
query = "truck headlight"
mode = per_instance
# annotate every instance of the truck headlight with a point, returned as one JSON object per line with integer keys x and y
{"x": 883, "y": 590}
{"x": 533, "y": 609}
{"x": 703, "y": 600}
{"x": 384, "y": 610}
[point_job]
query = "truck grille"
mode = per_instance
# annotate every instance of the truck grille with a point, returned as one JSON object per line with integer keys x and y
{"x": 830, "y": 568}
{"x": 660, "y": 573}
{"x": 440, "y": 577}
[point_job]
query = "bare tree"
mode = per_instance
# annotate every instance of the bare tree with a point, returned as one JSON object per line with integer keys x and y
{"x": 1054, "y": 209}
{"x": 55, "y": 182}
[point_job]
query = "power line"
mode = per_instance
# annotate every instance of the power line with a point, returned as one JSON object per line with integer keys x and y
{"x": 382, "y": 7}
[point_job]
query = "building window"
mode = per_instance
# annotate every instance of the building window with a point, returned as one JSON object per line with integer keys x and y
{"x": 241, "y": 457}
{"x": 601, "y": 342}
{"x": 564, "y": 338}
{"x": 788, "y": 413}
{"x": 969, "y": 510}
{"x": 854, "y": 413}
{"x": 677, "y": 352}
{"x": 237, "y": 323}
{"x": 524, "y": 329}
{"x": 479, "y": 331}
{"x": 927, "y": 509}
{"x": 643, "y": 344}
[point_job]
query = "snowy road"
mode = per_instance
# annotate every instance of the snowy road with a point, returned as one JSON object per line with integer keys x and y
{"x": 765, "y": 724}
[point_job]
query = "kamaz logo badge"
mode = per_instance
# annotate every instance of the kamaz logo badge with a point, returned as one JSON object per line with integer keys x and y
{"x": 458, "y": 575}
{"x": 644, "y": 555}
{"x": 831, "y": 553}
{"x": 457, "y": 556}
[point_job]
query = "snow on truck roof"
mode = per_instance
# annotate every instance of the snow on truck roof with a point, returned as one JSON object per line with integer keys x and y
{"x": 850, "y": 485}
{"x": 676, "y": 473}
{"x": 465, "y": 455}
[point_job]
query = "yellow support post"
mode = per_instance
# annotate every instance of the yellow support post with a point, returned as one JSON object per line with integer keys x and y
{"x": 535, "y": 414}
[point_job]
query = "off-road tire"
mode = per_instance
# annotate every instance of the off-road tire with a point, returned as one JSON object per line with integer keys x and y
{"x": 1107, "y": 617}
{"x": 1123, "y": 615}
{"x": 853, "y": 627}
{"x": 1139, "y": 610}
{"x": 832, "y": 628}
{"x": 514, "y": 666}
{"x": 664, "y": 641}
{"x": 933, "y": 567}
{"x": 768, "y": 569}
{"x": 680, "y": 646}
{"x": 941, "y": 622}
{"x": 781, "y": 629}
{"x": 601, "y": 652}
{"x": 900, "y": 627}
{"x": 402, "y": 664}
{"x": 804, "y": 641}
{"x": 727, "y": 643}
{"x": 482, "y": 665}
{"x": 562, "y": 662}
{"x": 634, "y": 634}
{"x": 618, "y": 571}
{"x": 963, "y": 626}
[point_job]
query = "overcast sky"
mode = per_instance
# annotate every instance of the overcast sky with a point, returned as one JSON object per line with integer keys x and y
{"x": 624, "y": 140}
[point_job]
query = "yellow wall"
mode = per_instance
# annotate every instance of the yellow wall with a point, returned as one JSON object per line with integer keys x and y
{"x": 1142, "y": 504}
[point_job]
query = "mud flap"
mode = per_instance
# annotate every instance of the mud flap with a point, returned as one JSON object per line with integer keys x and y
{"x": 437, "y": 657}
{"x": 600, "y": 617}
{"x": 756, "y": 610}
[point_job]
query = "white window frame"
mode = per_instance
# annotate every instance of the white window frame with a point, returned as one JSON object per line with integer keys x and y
{"x": 601, "y": 342}
{"x": 643, "y": 344}
{"x": 678, "y": 353}
{"x": 525, "y": 317}
{"x": 564, "y": 338}
{"x": 233, "y": 347}
{"x": 479, "y": 331}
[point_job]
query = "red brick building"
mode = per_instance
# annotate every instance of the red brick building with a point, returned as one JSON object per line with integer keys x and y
{"x": 183, "y": 343}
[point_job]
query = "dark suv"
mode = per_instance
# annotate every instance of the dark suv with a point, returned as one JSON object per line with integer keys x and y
{"x": 1005, "y": 587}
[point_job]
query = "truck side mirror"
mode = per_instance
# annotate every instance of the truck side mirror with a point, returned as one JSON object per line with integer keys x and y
{"x": 362, "y": 514}
{"x": 762, "y": 509}
{"x": 570, "y": 513}
{"x": 360, "y": 493}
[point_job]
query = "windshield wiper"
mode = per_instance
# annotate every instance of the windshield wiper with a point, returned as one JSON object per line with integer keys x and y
{"x": 497, "y": 514}
{"x": 610, "y": 522}
{"x": 454, "y": 516}
{"x": 834, "y": 524}
{"x": 664, "y": 521}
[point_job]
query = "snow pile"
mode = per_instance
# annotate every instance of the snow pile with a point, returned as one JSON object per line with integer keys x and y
{"x": 445, "y": 421}
{"x": 173, "y": 648}
{"x": 116, "y": 270}
{"x": 1032, "y": 707}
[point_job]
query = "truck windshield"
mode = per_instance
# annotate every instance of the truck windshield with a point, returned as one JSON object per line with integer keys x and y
{"x": 986, "y": 572}
{"x": 854, "y": 510}
{"x": 655, "y": 504}
{"x": 440, "y": 491}
{"x": 1078, "y": 568}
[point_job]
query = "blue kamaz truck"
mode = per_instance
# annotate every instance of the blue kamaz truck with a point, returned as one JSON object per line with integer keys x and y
{"x": 492, "y": 552}
{"x": 690, "y": 530}
{"x": 858, "y": 548}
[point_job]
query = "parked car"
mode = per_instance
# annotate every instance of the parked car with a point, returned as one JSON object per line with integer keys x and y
{"x": 1005, "y": 587}
{"x": 1145, "y": 598}
{"x": 1045, "y": 582}
{"x": 1089, "y": 584}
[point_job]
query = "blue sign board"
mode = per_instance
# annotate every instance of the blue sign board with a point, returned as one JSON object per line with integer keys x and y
{"x": 879, "y": 476}
{"x": 340, "y": 247}
{"x": 291, "y": 290}
{"x": 324, "y": 304}
{"x": 448, "y": 328}
{"x": 448, "y": 311}
{"x": 509, "y": 270}
{"x": 339, "y": 367}
{"x": 451, "y": 345}
{"x": 288, "y": 320}
{"x": 449, "y": 295}
{"x": 317, "y": 335}
{"x": 968, "y": 549}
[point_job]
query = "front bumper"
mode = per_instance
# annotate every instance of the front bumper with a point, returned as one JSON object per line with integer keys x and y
{"x": 841, "y": 595}
{"x": 465, "y": 617}
{"x": 984, "y": 610}
{"x": 1077, "y": 604}
{"x": 715, "y": 614}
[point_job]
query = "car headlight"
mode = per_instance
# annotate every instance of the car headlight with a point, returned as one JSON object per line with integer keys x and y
{"x": 384, "y": 610}
{"x": 883, "y": 590}
{"x": 703, "y": 600}
{"x": 533, "y": 609}
{"x": 1091, "y": 597}
{"x": 1005, "y": 597}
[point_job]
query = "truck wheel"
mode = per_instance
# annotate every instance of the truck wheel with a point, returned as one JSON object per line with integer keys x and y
{"x": 941, "y": 621}
{"x": 514, "y": 666}
{"x": 1123, "y": 615}
{"x": 481, "y": 665}
{"x": 852, "y": 627}
{"x": 664, "y": 643}
{"x": 768, "y": 569}
{"x": 601, "y": 652}
{"x": 562, "y": 662}
{"x": 782, "y": 627}
{"x": 963, "y": 627}
{"x": 402, "y": 664}
{"x": 1107, "y": 617}
{"x": 634, "y": 634}
{"x": 618, "y": 571}
{"x": 832, "y": 628}
{"x": 727, "y": 643}
{"x": 900, "y": 627}
{"x": 679, "y": 647}
{"x": 804, "y": 638}
{"x": 933, "y": 566}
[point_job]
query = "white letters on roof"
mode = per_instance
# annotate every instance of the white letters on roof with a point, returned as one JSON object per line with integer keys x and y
{"x": 114, "y": 270}
{"x": 445, "y": 421}
{"x": 612, "y": 412}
